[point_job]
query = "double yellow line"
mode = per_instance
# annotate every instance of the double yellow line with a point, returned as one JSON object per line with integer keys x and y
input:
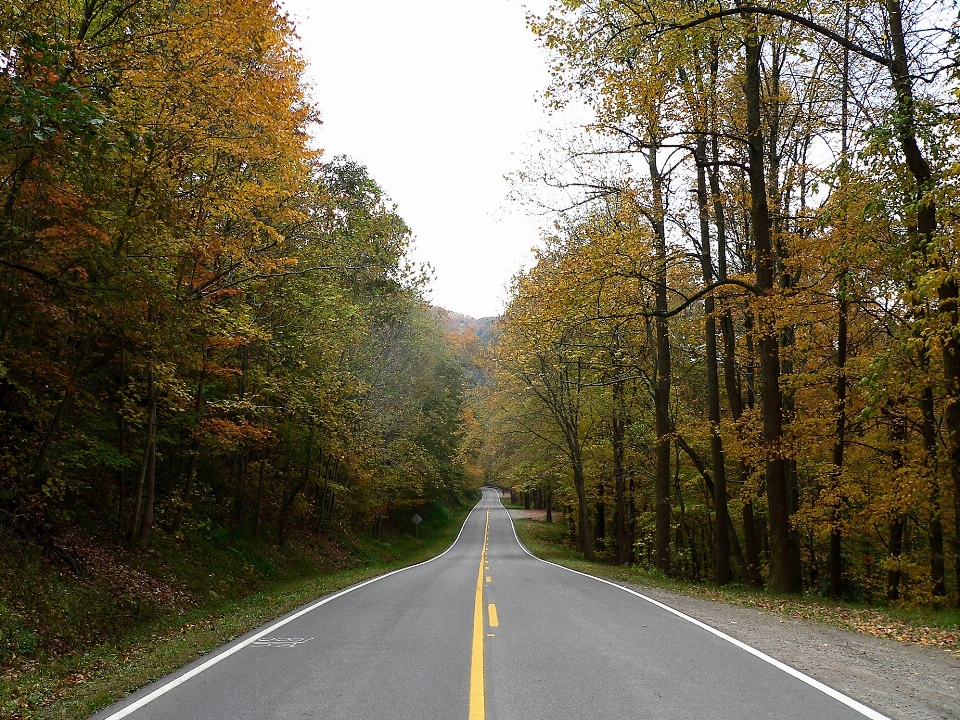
{"x": 477, "y": 703}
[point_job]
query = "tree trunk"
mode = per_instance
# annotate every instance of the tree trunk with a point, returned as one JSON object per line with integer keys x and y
{"x": 662, "y": 371}
{"x": 260, "y": 489}
{"x": 618, "y": 438}
{"x": 751, "y": 541}
{"x": 937, "y": 570}
{"x": 898, "y": 438}
{"x": 239, "y": 465}
{"x": 121, "y": 440}
{"x": 708, "y": 482}
{"x": 721, "y": 524}
{"x": 285, "y": 506}
{"x": 147, "y": 527}
{"x": 148, "y": 475}
{"x": 195, "y": 440}
{"x": 935, "y": 532}
{"x": 839, "y": 443}
{"x": 751, "y": 562}
{"x": 147, "y": 451}
{"x": 586, "y": 542}
{"x": 840, "y": 385}
{"x": 751, "y": 548}
{"x": 896, "y": 547}
{"x": 323, "y": 491}
{"x": 771, "y": 399}
{"x": 566, "y": 413}
{"x": 631, "y": 519}
{"x": 335, "y": 478}
{"x": 600, "y": 531}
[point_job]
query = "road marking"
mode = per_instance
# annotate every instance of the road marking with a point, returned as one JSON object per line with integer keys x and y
{"x": 280, "y": 642}
{"x": 477, "y": 703}
{"x": 793, "y": 672}
{"x": 488, "y": 578}
{"x": 492, "y": 611}
{"x": 181, "y": 679}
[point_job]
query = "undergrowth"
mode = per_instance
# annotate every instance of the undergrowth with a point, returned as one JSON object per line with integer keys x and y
{"x": 75, "y": 639}
{"x": 924, "y": 626}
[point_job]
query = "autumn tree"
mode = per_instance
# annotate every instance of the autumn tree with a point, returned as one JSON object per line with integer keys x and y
{"x": 803, "y": 179}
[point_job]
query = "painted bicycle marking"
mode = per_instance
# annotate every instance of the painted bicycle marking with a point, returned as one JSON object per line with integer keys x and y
{"x": 279, "y": 642}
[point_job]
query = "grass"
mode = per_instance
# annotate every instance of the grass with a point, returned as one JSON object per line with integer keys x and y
{"x": 76, "y": 684}
{"x": 939, "y": 628}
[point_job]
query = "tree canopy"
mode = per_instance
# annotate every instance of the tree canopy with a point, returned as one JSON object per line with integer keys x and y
{"x": 202, "y": 320}
{"x": 749, "y": 308}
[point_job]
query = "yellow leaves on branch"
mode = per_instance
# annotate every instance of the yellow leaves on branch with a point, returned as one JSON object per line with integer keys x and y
{"x": 219, "y": 111}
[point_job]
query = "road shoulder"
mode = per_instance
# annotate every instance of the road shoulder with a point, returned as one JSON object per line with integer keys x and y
{"x": 899, "y": 680}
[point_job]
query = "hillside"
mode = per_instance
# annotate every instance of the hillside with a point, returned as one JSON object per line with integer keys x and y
{"x": 454, "y": 322}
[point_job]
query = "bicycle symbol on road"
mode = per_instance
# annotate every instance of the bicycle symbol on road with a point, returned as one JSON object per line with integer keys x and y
{"x": 279, "y": 642}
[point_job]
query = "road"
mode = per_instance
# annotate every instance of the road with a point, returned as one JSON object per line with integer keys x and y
{"x": 486, "y": 631}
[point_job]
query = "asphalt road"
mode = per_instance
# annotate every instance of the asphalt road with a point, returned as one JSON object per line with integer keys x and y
{"x": 486, "y": 631}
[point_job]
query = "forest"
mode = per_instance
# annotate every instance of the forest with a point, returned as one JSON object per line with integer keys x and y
{"x": 736, "y": 355}
{"x": 204, "y": 323}
{"x": 735, "y": 359}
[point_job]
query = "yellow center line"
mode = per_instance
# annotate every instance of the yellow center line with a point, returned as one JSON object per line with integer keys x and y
{"x": 477, "y": 703}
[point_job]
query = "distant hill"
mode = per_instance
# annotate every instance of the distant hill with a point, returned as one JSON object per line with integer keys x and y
{"x": 454, "y": 322}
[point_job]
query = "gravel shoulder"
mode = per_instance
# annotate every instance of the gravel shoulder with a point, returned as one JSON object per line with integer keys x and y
{"x": 900, "y": 680}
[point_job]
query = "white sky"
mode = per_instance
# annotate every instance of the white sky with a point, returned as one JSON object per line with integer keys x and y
{"x": 438, "y": 98}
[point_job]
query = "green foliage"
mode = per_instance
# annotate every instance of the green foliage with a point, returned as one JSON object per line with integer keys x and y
{"x": 212, "y": 342}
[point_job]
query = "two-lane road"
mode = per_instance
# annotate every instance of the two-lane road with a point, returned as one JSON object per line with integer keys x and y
{"x": 486, "y": 631}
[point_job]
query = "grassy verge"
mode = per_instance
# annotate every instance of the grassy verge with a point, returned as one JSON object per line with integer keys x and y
{"x": 923, "y": 626}
{"x": 78, "y": 684}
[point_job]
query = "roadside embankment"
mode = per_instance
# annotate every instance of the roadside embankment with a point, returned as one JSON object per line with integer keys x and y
{"x": 192, "y": 616}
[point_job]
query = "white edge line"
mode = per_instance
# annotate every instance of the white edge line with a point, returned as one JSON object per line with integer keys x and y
{"x": 802, "y": 677}
{"x": 176, "y": 682}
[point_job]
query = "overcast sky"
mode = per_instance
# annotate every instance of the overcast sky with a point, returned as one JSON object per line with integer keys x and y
{"x": 438, "y": 98}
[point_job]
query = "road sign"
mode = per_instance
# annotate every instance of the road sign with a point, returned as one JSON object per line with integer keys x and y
{"x": 416, "y": 521}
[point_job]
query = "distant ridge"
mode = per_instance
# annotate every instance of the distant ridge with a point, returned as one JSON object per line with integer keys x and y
{"x": 454, "y": 322}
